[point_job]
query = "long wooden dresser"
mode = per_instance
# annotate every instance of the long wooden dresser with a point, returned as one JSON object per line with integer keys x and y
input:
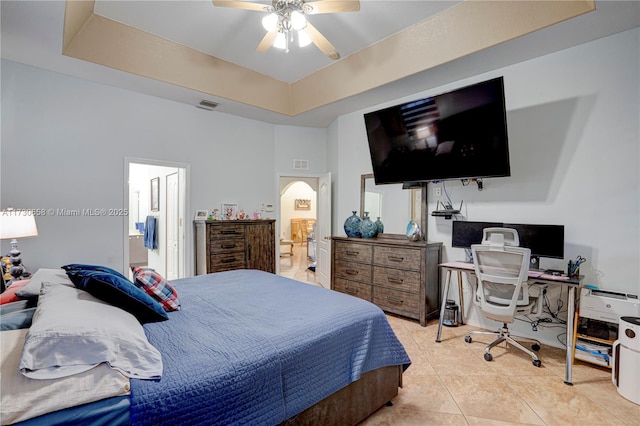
{"x": 399, "y": 276}
{"x": 223, "y": 245}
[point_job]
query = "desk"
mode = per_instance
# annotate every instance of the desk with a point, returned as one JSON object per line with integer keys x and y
{"x": 534, "y": 277}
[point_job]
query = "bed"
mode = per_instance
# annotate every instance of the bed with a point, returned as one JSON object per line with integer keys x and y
{"x": 250, "y": 347}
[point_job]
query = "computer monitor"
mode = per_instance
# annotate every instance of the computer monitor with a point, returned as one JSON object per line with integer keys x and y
{"x": 465, "y": 233}
{"x": 543, "y": 240}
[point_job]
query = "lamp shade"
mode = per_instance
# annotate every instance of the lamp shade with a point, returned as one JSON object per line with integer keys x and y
{"x": 17, "y": 224}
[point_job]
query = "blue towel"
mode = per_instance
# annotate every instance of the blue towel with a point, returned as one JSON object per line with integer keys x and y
{"x": 150, "y": 234}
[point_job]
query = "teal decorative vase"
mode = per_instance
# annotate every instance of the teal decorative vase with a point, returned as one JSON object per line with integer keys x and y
{"x": 368, "y": 228}
{"x": 414, "y": 233}
{"x": 352, "y": 226}
{"x": 380, "y": 226}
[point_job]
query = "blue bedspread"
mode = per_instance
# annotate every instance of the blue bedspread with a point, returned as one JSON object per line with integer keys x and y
{"x": 249, "y": 347}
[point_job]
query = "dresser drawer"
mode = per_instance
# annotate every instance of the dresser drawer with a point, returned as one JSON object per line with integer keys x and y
{"x": 363, "y": 291}
{"x": 226, "y": 245}
{"x": 226, "y": 230}
{"x": 396, "y": 257}
{"x": 224, "y": 262}
{"x": 396, "y": 301}
{"x": 353, "y": 251}
{"x": 353, "y": 271}
{"x": 398, "y": 279}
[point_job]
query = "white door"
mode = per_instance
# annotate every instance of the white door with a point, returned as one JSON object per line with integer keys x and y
{"x": 323, "y": 231}
{"x": 173, "y": 232}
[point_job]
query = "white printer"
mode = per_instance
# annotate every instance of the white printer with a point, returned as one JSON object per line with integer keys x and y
{"x": 608, "y": 306}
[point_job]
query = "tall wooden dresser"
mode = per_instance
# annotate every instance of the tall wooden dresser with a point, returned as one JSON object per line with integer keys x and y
{"x": 223, "y": 245}
{"x": 399, "y": 276}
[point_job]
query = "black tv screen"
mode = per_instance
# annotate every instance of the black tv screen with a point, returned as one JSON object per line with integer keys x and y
{"x": 456, "y": 135}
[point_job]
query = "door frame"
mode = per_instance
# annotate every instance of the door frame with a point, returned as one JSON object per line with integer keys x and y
{"x": 187, "y": 259}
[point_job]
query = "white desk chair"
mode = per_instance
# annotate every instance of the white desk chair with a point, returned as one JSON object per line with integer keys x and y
{"x": 502, "y": 269}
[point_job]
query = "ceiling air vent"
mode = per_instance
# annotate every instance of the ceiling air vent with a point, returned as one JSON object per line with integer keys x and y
{"x": 208, "y": 105}
{"x": 301, "y": 164}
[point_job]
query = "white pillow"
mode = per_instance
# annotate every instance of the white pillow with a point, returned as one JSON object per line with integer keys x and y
{"x": 22, "y": 398}
{"x": 54, "y": 276}
{"x": 72, "y": 332}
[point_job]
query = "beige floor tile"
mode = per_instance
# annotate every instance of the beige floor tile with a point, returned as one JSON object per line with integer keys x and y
{"x": 428, "y": 393}
{"x": 489, "y": 397}
{"x": 408, "y": 415}
{"x": 479, "y": 421}
{"x": 458, "y": 362}
{"x": 559, "y": 404}
{"x": 603, "y": 393}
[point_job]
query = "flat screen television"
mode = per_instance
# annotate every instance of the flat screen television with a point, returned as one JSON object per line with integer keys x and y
{"x": 456, "y": 135}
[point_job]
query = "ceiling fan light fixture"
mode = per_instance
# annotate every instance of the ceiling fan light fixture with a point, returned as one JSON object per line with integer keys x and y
{"x": 298, "y": 21}
{"x": 303, "y": 38}
{"x": 281, "y": 41}
{"x": 270, "y": 22}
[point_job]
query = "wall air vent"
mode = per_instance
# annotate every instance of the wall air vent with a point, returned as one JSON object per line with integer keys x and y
{"x": 208, "y": 105}
{"x": 301, "y": 164}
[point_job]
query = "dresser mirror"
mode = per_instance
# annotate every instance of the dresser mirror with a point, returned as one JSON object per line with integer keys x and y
{"x": 395, "y": 206}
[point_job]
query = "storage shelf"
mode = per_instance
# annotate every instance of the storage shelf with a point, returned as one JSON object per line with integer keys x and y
{"x": 595, "y": 339}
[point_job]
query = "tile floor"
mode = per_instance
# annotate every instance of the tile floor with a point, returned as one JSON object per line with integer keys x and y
{"x": 451, "y": 383}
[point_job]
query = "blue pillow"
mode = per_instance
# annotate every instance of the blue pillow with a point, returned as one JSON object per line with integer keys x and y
{"x": 120, "y": 292}
{"x": 17, "y": 319}
{"x": 85, "y": 267}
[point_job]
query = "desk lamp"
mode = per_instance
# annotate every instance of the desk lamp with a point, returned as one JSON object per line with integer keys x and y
{"x": 17, "y": 224}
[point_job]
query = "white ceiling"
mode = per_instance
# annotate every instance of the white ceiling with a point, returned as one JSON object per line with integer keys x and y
{"x": 32, "y": 34}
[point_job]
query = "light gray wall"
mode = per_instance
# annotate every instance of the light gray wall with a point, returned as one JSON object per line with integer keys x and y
{"x": 64, "y": 141}
{"x": 573, "y": 122}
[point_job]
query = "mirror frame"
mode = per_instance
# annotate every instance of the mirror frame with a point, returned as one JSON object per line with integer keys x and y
{"x": 423, "y": 201}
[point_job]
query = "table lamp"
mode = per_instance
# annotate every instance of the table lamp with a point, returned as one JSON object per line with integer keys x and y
{"x": 17, "y": 224}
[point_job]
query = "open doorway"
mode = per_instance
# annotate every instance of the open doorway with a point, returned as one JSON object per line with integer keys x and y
{"x": 298, "y": 216}
{"x": 156, "y": 233}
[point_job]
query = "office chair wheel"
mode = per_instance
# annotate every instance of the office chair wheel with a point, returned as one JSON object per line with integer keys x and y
{"x": 488, "y": 357}
{"x": 467, "y": 339}
{"x": 535, "y": 347}
{"x": 537, "y": 363}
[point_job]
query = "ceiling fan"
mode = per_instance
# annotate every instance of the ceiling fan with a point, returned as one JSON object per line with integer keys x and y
{"x": 287, "y": 18}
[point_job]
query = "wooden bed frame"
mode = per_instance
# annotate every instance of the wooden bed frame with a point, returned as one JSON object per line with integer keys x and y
{"x": 354, "y": 403}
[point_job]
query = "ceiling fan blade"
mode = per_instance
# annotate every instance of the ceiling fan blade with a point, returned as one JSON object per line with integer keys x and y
{"x": 321, "y": 42}
{"x": 331, "y": 6}
{"x": 267, "y": 41}
{"x": 235, "y": 4}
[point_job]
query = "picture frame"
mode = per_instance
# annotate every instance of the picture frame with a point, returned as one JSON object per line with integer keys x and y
{"x": 301, "y": 204}
{"x": 229, "y": 211}
{"x": 155, "y": 194}
{"x": 201, "y": 214}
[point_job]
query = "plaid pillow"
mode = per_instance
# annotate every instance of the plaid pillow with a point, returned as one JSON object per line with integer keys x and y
{"x": 157, "y": 287}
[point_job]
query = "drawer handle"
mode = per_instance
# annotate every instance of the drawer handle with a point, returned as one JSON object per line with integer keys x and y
{"x": 227, "y": 246}
{"x": 351, "y": 290}
{"x": 395, "y": 300}
{"x": 352, "y": 271}
{"x": 353, "y": 253}
{"x": 395, "y": 258}
{"x": 228, "y": 260}
{"x": 227, "y": 232}
{"x": 395, "y": 280}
